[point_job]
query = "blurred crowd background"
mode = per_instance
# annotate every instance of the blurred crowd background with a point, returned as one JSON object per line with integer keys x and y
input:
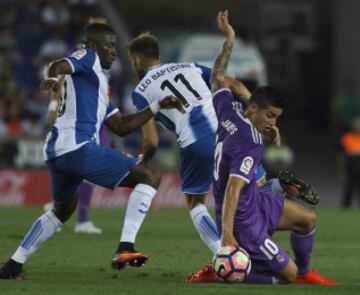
{"x": 307, "y": 48}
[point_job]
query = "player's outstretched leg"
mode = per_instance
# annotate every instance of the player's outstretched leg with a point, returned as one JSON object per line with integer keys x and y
{"x": 203, "y": 221}
{"x": 302, "y": 222}
{"x": 145, "y": 183}
{"x": 42, "y": 229}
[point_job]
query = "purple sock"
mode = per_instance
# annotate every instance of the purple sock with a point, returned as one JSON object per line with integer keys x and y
{"x": 256, "y": 277}
{"x": 85, "y": 193}
{"x": 302, "y": 245}
{"x": 105, "y": 138}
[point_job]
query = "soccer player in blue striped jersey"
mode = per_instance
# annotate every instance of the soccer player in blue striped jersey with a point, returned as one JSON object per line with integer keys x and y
{"x": 72, "y": 151}
{"x": 195, "y": 129}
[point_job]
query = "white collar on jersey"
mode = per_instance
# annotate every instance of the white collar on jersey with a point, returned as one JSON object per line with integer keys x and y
{"x": 153, "y": 67}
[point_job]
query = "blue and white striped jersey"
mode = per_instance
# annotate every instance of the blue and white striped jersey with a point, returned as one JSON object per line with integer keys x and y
{"x": 189, "y": 82}
{"x": 83, "y": 106}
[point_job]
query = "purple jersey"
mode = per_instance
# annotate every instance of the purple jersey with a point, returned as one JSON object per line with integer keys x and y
{"x": 238, "y": 152}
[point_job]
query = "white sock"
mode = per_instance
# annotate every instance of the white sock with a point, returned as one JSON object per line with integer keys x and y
{"x": 42, "y": 229}
{"x": 137, "y": 208}
{"x": 206, "y": 227}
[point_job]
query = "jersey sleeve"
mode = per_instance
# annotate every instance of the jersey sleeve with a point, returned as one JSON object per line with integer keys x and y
{"x": 206, "y": 74}
{"x": 139, "y": 101}
{"x": 244, "y": 162}
{"x": 111, "y": 110}
{"x": 222, "y": 97}
{"x": 82, "y": 60}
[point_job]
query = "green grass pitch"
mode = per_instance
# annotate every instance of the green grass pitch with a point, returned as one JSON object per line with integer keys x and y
{"x": 72, "y": 263}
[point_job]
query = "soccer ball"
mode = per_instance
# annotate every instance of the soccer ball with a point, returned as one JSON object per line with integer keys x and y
{"x": 232, "y": 264}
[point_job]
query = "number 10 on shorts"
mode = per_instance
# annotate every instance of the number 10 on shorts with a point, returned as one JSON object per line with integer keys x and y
{"x": 269, "y": 248}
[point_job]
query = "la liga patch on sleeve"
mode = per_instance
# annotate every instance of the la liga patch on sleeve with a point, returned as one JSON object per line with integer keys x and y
{"x": 246, "y": 165}
{"x": 79, "y": 54}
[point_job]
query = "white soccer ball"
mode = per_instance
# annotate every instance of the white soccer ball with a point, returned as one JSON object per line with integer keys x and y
{"x": 232, "y": 264}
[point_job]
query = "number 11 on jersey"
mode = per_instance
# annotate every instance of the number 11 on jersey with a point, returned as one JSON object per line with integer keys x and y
{"x": 171, "y": 87}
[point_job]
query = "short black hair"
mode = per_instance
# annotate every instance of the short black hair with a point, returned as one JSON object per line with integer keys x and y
{"x": 267, "y": 95}
{"x": 146, "y": 45}
{"x": 96, "y": 31}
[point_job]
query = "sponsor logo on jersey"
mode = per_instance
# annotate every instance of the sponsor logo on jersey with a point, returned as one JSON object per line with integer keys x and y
{"x": 79, "y": 54}
{"x": 246, "y": 165}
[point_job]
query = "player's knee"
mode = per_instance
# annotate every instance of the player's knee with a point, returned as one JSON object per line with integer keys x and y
{"x": 310, "y": 220}
{"x": 291, "y": 277}
{"x": 288, "y": 276}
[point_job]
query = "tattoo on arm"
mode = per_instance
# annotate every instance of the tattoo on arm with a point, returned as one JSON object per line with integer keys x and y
{"x": 220, "y": 66}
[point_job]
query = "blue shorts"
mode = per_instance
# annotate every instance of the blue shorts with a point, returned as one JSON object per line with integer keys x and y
{"x": 97, "y": 164}
{"x": 197, "y": 165}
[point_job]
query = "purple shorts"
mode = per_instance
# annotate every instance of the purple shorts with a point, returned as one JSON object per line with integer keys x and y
{"x": 266, "y": 255}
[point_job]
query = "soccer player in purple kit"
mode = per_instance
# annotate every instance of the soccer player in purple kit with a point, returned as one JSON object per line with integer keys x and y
{"x": 245, "y": 216}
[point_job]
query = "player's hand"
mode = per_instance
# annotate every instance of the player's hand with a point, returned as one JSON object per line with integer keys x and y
{"x": 273, "y": 134}
{"x": 141, "y": 159}
{"x": 50, "y": 85}
{"x": 172, "y": 102}
{"x": 228, "y": 239}
{"x": 224, "y": 26}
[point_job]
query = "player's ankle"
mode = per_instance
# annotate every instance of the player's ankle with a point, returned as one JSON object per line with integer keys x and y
{"x": 303, "y": 272}
{"x": 125, "y": 246}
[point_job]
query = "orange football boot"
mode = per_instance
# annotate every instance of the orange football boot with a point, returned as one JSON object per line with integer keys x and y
{"x": 124, "y": 258}
{"x": 204, "y": 275}
{"x": 315, "y": 278}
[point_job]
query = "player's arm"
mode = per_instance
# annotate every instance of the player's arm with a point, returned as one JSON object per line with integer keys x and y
{"x": 122, "y": 124}
{"x": 232, "y": 194}
{"x": 53, "y": 104}
{"x": 150, "y": 140}
{"x": 218, "y": 80}
{"x": 56, "y": 68}
{"x": 238, "y": 88}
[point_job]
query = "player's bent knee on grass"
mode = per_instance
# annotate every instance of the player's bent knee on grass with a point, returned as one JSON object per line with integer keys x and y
{"x": 64, "y": 210}
{"x": 288, "y": 275}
